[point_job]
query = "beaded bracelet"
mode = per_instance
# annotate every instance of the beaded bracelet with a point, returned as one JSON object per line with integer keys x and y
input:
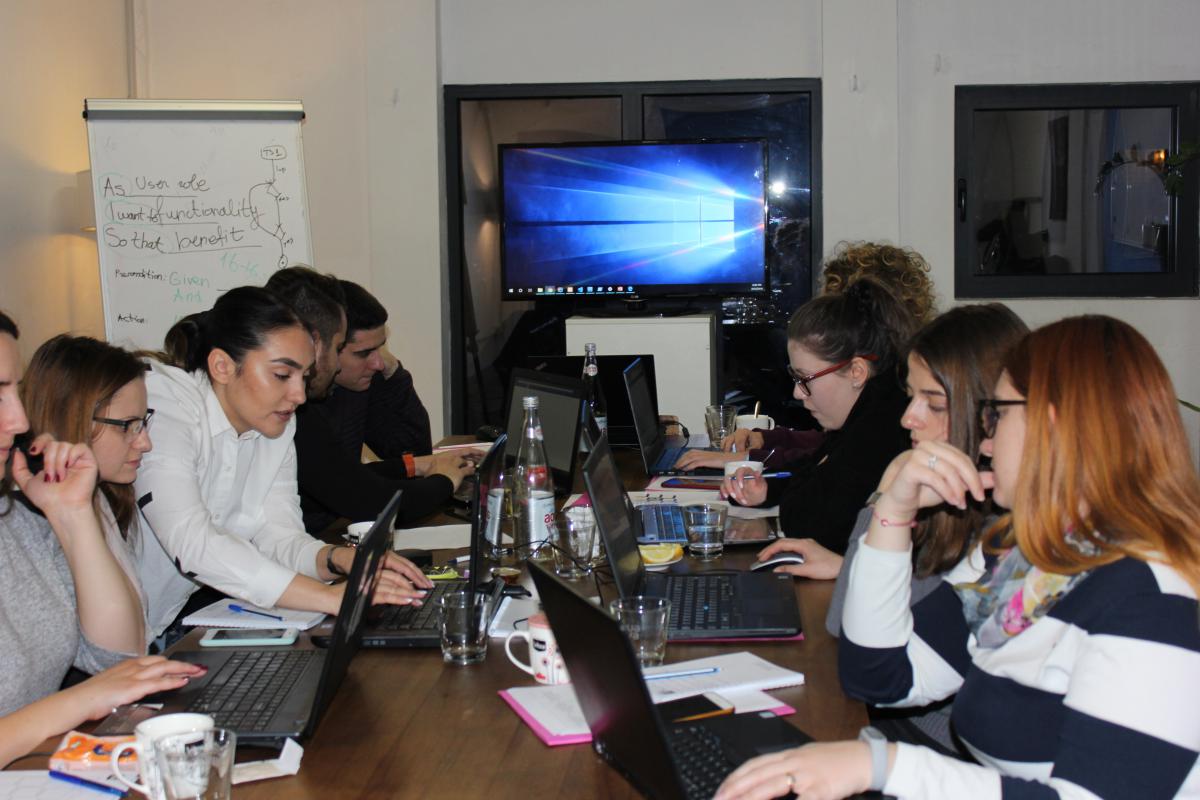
{"x": 889, "y": 524}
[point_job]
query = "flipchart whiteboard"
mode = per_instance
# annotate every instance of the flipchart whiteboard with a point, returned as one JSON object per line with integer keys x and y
{"x": 192, "y": 198}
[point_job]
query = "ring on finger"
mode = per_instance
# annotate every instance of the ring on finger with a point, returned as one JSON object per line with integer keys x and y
{"x": 933, "y": 461}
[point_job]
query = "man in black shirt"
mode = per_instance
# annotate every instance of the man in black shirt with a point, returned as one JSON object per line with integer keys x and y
{"x": 333, "y": 480}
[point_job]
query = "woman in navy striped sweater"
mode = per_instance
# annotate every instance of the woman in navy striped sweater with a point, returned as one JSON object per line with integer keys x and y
{"x": 1070, "y": 639}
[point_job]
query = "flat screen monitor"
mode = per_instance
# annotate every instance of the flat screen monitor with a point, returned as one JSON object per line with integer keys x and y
{"x": 633, "y": 219}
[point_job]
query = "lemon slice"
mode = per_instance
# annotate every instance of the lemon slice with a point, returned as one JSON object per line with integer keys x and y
{"x": 660, "y": 553}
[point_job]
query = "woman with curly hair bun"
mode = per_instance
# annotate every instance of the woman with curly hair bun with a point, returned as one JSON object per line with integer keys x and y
{"x": 901, "y": 269}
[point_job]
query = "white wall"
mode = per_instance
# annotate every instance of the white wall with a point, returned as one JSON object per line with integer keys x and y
{"x": 948, "y": 42}
{"x": 53, "y": 54}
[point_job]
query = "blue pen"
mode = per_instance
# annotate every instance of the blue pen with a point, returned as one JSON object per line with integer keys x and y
{"x": 75, "y": 779}
{"x": 241, "y": 610}
{"x": 777, "y": 475}
{"x": 662, "y": 676}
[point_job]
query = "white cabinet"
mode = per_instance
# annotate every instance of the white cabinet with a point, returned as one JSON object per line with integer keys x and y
{"x": 684, "y": 350}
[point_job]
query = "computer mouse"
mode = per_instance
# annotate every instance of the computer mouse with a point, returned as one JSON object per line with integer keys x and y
{"x": 488, "y": 433}
{"x": 784, "y": 560}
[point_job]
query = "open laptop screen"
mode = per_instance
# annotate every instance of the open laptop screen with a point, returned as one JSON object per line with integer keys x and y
{"x": 560, "y": 405}
{"x": 613, "y": 519}
{"x": 642, "y": 405}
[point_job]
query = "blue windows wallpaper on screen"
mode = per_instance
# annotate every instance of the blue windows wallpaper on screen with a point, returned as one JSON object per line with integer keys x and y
{"x": 636, "y": 219}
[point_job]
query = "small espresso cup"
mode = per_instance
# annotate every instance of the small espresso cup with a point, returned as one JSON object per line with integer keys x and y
{"x": 146, "y": 733}
{"x": 749, "y": 422}
{"x": 545, "y": 661}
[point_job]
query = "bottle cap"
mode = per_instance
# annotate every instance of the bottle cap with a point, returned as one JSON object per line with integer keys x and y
{"x": 529, "y": 402}
{"x": 590, "y": 347}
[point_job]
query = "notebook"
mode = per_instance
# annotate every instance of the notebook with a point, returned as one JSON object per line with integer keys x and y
{"x": 659, "y": 451}
{"x": 676, "y": 760}
{"x": 708, "y": 605}
{"x": 222, "y": 614}
{"x": 417, "y": 626}
{"x": 270, "y": 694}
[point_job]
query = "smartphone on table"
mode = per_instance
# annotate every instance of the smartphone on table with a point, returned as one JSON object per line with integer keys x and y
{"x": 242, "y": 637}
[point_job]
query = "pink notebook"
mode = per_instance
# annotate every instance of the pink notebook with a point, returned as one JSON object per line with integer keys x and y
{"x": 552, "y": 739}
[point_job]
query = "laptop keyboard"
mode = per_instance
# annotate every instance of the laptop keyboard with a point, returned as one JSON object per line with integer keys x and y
{"x": 250, "y": 687}
{"x": 668, "y": 458}
{"x": 701, "y": 759}
{"x": 415, "y": 618}
{"x": 662, "y": 522}
{"x": 701, "y": 602}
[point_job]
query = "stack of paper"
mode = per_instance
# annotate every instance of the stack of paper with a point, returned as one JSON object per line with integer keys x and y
{"x": 553, "y": 713}
{"x": 222, "y": 615}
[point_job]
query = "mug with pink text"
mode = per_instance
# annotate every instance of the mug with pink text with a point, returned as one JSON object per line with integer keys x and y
{"x": 545, "y": 661}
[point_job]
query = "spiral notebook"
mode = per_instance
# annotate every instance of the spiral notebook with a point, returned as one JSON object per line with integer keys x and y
{"x": 221, "y": 615}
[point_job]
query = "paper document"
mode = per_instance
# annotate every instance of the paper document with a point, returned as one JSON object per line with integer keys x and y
{"x": 435, "y": 537}
{"x": 512, "y": 610}
{"x": 730, "y": 671}
{"x": 554, "y": 714}
{"x": 220, "y": 615}
{"x": 36, "y": 784}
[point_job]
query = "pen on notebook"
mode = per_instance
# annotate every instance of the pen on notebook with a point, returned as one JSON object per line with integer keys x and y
{"x": 96, "y": 785}
{"x": 243, "y": 610}
{"x": 662, "y": 676}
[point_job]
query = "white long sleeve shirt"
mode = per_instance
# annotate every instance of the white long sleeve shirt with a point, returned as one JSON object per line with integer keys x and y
{"x": 224, "y": 507}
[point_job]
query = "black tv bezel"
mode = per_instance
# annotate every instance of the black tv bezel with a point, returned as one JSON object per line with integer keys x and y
{"x": 657, "y": 290}
{"x": 1181, "y": 277}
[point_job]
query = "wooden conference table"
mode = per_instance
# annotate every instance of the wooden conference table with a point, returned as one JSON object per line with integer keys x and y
{"x": 405, "y": 725}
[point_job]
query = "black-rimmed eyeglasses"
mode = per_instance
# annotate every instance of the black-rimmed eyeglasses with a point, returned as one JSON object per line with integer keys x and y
{"x": 130, "y": 427}
{"x": 989, "y": 414}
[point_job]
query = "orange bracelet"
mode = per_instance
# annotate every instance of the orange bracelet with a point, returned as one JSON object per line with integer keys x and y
{"x": 889, "y": 524}
{"x": 410, "y": 464}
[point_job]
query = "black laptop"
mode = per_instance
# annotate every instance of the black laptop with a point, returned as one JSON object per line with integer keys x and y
{"x": 560, "y": 406}
{"x": 661, "y": 759}
{"x": 707, "y": 605}
{"x": 621, "y": 432}
{"x": 269, "y": 694}
{"x": 659, "y": 451}
{"x": 418, "y": 626}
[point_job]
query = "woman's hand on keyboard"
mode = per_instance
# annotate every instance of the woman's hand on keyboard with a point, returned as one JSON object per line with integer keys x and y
{"x": 129, "y": 682}
{"x": 401, "y": 582}
{"x": 690, "y": 459}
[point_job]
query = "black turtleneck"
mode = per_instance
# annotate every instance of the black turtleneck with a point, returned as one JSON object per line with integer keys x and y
{"x": 826, "y": 491}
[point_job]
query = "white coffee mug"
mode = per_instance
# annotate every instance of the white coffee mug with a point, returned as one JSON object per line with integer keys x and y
{"x": 546, "y": 663}
{"x": 749, "y": 422}
{"x": 146, "y": 733}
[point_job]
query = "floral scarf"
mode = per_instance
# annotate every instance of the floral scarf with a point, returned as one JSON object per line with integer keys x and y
{"x": 1010, "y": 597}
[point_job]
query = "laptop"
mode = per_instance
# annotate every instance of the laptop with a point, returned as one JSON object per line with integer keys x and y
{"x": 560, "y": 405}
{"x": 418, "y": 626}
{"x": 661, "y": 759}
{"x": 269, "y": 694}
{"x": 706, "y": 605}
{"x": 659, "y": 451}
{"x": 621, "y": 432}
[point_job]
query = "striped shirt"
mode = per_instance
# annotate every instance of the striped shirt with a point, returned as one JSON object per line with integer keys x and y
{"x": 1098, "y": 698}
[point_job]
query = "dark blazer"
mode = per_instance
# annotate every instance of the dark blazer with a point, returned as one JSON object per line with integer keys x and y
{"x": 826, "y": 490}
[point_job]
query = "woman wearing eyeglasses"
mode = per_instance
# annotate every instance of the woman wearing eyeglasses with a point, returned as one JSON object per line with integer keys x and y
{"x": 842, "y": 353}
{"x": 64, "y": 598}
{"x": 78, "y": 389}
{"x": 1069, "y": 638}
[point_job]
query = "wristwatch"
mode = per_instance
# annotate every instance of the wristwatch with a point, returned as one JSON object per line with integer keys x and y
{"x": 331, "y": 565}
{"x": 879, "y": 756}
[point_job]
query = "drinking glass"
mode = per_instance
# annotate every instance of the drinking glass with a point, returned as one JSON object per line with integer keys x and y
{"x": 705, "y": 526}
{"x": 197, "y": 765}
{"x": 576, "y": 532}
{"x": 464, "y": 622}
{"x": 644, "y": 620}
{"x": 720, "y": 421}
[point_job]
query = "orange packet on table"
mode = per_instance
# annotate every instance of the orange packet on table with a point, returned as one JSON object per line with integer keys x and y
{"x": 82, "y": 751}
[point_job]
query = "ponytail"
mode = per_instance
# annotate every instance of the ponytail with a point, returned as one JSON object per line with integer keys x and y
{"x": 238, "y": 323}
{"x": 865, "y": 319}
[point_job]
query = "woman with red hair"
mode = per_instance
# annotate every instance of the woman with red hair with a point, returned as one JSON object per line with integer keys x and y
{"x": 1070, "y": 638}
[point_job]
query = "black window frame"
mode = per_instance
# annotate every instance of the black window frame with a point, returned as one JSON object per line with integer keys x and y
{"x": 1181, "y": 279}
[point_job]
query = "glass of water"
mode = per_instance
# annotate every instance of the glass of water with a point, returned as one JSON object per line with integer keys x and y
{"x": 644, "y": 620}
{"x": 705, "y": 527}
{"x": 573, "y": 550}
{"x": 464, "y": 623}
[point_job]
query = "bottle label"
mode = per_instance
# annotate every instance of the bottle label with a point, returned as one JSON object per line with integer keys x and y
{"x": 591, "y": 370}
{"x": 495, "y": 512}
{"x": 541, "y": 519}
